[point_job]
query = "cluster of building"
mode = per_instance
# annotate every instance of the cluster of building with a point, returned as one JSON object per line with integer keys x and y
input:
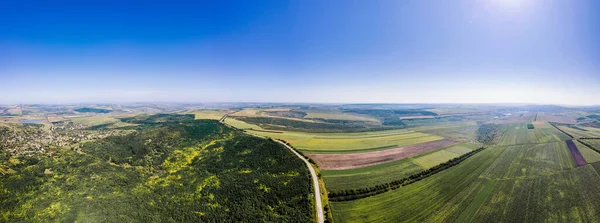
{"x": 32, "y": 139}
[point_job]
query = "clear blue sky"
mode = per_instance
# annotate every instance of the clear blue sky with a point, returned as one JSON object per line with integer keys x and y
{"x": 396, "y": 51}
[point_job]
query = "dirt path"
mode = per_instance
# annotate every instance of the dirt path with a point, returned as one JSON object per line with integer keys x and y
{"x": 318, "y": 204}
{"x": 313, "y": 173}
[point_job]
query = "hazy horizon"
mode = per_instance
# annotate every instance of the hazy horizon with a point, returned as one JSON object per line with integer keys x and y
{"x": 405, "y": 52}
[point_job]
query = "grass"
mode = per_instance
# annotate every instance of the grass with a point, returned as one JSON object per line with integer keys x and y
{"x": 240, "y": 124}
{"x": 526, "y": 161}
{"x": 581, "y": 132}
{"x": 369, "y": 176}
{"x": 350, "y": 142}
{"x": 514, "y": 134}
{"x": 208, "y": 114}
{"x": 590, "y": 155}
{"x": 531, "y": 178}
{"x": 462, "y": 132}
{"x": 384, "y": 173}
{"x": 567, "y": 196}
{"x": 439, "y": 156}
{"x": 417, "y": 202}
{"x": 338, "y": 115}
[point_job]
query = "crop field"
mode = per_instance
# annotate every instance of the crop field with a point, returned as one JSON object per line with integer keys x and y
{"x": 208, "y": 114}
{"x": 590, "y": 155}
{"x": 336, "y": 115}
{"x": 522, "y": 161}
{"x": 595, "y": 143}
{"x": 95, "y": 120}
{"x": 581, "y": 132}
{"x": 420, "y": 201}
{"x": 434, "y": 158}
{"x": 579, "y": 160}
{"x": 357, "y": 160}
{"x": 351, "y": 142}
{"x": 556, "y": 118}
{"x": 462, "y": 132}
{"x": 369, "y": 176}
{"x": 240, "y": 124}
{"x": 512, "y": 134}
{"x": 384, "y": 173}
{"x": 531, "y": 177}
{"x": 567, "y": 196}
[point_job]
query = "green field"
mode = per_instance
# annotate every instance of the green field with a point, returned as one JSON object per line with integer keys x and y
{"x": 589, "y": 155}
{"x": 369, "y": 176}
{"x": 530, "y": 177}
{"x": 460, "y": 132}
{"x": 384, "y": 173}
{"x": 512, "y": 134}
{"x": 350, "y": 142}
{"x": 208, "y": 114}
{"x": 240, "y": 124}
{"x": 420, "y": 200}
{"x": 581, "y": 132}
{"x": 434, "y": 158}
{"x": 338, "y": 115}
{"x": 526, "y": 161}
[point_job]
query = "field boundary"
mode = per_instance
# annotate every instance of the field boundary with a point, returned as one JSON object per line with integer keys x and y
{"x": 354, "y": 194}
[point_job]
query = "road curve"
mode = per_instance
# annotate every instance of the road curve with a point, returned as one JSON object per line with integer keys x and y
{"x": 319, "y": 205}
{"x": 313, "y": 173}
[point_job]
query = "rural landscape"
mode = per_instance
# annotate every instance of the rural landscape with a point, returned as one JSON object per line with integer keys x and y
{"x": 307, "y": 111}
{"x": 253, "y": 162}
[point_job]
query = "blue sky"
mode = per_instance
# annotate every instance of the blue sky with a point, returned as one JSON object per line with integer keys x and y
{"x": 413, "y": 51}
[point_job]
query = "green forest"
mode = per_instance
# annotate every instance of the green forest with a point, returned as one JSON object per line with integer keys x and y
{"x": 171, "y": 168}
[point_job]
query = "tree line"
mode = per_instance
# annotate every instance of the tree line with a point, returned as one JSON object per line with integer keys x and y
{"x": 353, "y": 194}
{"x": 566, "y": 133}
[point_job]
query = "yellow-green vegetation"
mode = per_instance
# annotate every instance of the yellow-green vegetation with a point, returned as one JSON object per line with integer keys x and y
{"x": 428, "y": 200}
{"x": 350, "y": 142}
{"x": 589, "y": 155}
{"x": 338, "y": 115}
{"x": 369, "y": 176}
{"x": 581, "y": 132}
{"x": 511, "y": 134}
{"x": 464, "y": 132}
{"x": 208, "y": 114}
{"x": 533, "y": 179}
{"x": 434, "y": 158}
{"x": 171, "y": 169}
{"x": 240, "y": 124}
{"x": 101, "y": 120}
{"x": 337, "y": 180}
{"x": 526, "y": 161}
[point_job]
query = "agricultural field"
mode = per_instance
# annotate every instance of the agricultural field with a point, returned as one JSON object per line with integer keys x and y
{"x": 337, "y": 115}
{"x": 512, "y": 134}
{"x": 240, "y": 124}
{"x": 380, "y": 174}
{"x": 350, "y": 142}
{"x": 590, "y": 155}
{"x": 595, "y": 143}
{"x": 464, "y": 132}
{"x": 422, "y": 200}
{"x": 208, "y": 114}
{"x": 363, "y": 159}
{"x": 529, "y": 171}
{"x": 369, "y": 176}
{"x": 580, "y": 131}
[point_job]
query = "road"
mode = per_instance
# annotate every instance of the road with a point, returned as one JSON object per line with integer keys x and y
{"x": 313, "y": 173}
{"x": 320, "y": 217}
